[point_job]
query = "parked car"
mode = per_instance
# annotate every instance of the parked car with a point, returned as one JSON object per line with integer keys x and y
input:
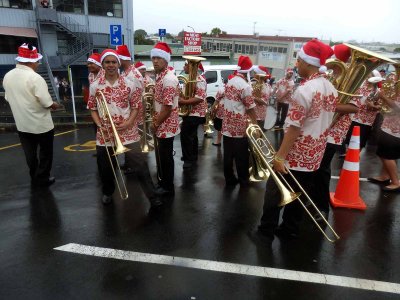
{"x": 215, "y": 76}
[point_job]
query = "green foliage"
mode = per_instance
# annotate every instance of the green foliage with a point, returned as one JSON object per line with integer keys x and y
{"x": 396, "y": 50}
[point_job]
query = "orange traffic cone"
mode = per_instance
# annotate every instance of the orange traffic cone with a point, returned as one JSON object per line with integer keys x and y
{"x": 348, "y": 188}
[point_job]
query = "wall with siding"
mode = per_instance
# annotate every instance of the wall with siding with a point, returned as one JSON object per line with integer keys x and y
{"x": 17, "y": 18}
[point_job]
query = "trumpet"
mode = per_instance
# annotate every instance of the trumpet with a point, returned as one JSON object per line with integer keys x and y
{"x": 113, "y": 137}
{"x": 265, "y": 153}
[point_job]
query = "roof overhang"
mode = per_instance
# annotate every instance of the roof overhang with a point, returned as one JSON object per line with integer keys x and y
{"x": 18, "y": 31}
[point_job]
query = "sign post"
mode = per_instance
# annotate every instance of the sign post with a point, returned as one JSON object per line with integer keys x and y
{"x": 115, "y": 35}
{"x": 191, "y": 43}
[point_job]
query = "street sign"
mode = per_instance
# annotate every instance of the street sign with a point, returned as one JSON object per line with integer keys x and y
{"x": 192, "y": 43}
{"x": 162, "y": 32}
{"x": 115, "y": 35}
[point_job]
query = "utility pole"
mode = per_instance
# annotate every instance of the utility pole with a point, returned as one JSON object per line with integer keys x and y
{"x": 254, "y": 28}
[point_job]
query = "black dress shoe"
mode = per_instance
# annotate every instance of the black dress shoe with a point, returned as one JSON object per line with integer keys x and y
{"x": 106, "y": 199}
{"x": 187, "y": 165}
{"x": 377, "y": 181}
{"x": 259, "y": 237}
{"x": 160, "y": 191}
{"x": 231, "y": 182}
{"x": 47, "y": 182}
{"x": 155, "y": 202}
{"x": 392, "y": 190}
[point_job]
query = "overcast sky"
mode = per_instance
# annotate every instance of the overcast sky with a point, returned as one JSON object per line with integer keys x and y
{"x": 339, "y": 20}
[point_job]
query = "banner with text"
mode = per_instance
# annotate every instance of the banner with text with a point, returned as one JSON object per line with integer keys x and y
{"x": 192, "y": 43}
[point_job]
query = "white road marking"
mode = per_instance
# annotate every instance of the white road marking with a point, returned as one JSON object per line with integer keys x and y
{"x": 348, "y": 282}
{"x": 337, "y": 177}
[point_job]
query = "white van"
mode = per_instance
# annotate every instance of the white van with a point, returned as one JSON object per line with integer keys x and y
{"x": 215, "y": 76}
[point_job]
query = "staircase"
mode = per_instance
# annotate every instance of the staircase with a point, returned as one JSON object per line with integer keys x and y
{"x": 42, "y": 71}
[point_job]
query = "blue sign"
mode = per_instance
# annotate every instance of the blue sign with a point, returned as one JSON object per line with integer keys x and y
{"x": 115, "y": 35}
{"x": 162, "y": 32}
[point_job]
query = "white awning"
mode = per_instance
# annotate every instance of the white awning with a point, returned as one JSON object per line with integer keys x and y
{"x": 18, "y": 31}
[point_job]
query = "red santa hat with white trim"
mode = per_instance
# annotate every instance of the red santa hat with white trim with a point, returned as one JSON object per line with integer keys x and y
{"x": 139, "y": 65}
{"x": 108, "y": 52}
{"x": 95, "y": 58}
{"x": 245, "y": 64}
{"x": 315, "y": 53}
{"x": 162, "y": 50}
{"x": 28, "y": 53}
{"x": 342, "y": 52}
{"x": 123, "y": 52}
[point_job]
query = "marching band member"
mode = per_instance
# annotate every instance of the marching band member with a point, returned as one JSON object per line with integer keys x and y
{"x": 123, "y": 98}
{"x": 261, "y": 103}
{"x": 283, "y": 90}
{"x": 94, "y": 67}
{"x": 306, "y": 131}
{"x": 389, "y": 145}
{"x": 238, "y": 106}
{"x": 166, "y": 119}
{"x": 196, "y": 117}
{"x": 27, "y": 93}
{"x": 142, "y": 70}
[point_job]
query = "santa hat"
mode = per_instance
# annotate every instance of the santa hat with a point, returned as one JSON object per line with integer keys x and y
{"x": 28, "y": 53}
{"x": 289, "y": 70}
{"x": 95, "y": 58}
{"x": 162, "y": 50}
{"x": 108, "y": 52}
{"x": 139, "y": 65}
{"x": 342, "y": 52}
{"x": 123, "y": 52}
{"x": 201, "y": 67}
{"x": 245, "y": 64}
{"x": 261, "y": 70}
{"x": 315, "y": 53}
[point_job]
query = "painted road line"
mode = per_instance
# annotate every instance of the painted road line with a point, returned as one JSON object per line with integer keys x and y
{"x": 337, "y": 177}
{"x": 209, "y": 265}
{"x": 19, "y": 144}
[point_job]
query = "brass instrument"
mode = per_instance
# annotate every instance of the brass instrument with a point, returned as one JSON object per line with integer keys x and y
{"x": 209, "y": 121}
{"x": 390, "y": 88}
{"x": 347, "y": 79}
{"x": 189, "y": 83}
{"x": 265, "y": 154}
{"x": 257, "y": 85}
{"x": 148, "y": 112}
{"x": 113, "y": 138}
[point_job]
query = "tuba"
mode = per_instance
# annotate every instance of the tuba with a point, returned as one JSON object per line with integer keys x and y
{"x": 390, "y": 88}
{"x": 148, "y": 112}
{"x": 265, "y": 154}
{"x": 112, "y": 137}
{"x": 348, "y": 78}
{"x": 189, "y": 83}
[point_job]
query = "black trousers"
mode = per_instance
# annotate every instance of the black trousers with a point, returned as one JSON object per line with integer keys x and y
{"x": 105, "y": 170}
{"x": 293, "y": 212}
{"x": 365, "y": 132}
{"x": 236, "y": 150}
{"x": 282, "y": 111}
{"x": 166, "y": 172}
{"x": 39, "y": 166}
{"x": 324, "y": 177}
{"x": 189, "y": 139}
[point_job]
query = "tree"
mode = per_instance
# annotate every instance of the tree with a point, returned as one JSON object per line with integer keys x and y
{"x": 396, "y": 50}
{"x": 180, "y": 34}
{"x": 215, "y": 31}
{"x": 169, "y": 36}
{"x": 140, "y": 33}
{"x": 140, "y": 38}
{"x": 382, "y": 49}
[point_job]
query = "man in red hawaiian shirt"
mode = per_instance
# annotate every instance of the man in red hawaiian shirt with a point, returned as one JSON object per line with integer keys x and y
{"x": 283, "y": 91}
{"x": 238, "y": 108}
{"x": 196, "y": 117}
{"x": 265, "y": 93}
{"x": 141, "y": 67}
{"x": 123, "y": 101}
{"x": 307, "y": 126}
{"x": 166, "y": 117}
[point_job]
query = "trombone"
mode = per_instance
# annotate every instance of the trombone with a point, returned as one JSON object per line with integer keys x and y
{"x": 265, "y": 153}
{"x": 107, "y": 135}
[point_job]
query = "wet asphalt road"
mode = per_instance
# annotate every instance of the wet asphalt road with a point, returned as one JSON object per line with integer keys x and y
{"x": 204, "y": 221}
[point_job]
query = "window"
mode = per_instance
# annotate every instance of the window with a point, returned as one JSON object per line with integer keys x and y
{"x": 274, "y": 49}
{"x": 74, "y": 6}
{"x": 251, "y": 49}
{"x": 211, "y": 76}
{"x": 225, "y": 74}
{"x": 9, "y": 44}
{"x": 247, "y": 51}
{"x": 294, "y": 54}
{"x": 110, "y": 8}
{"x": 284, "y": 50}
{"x": 24, "y": 4}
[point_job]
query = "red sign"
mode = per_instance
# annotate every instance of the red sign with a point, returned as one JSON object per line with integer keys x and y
{"x": 192, "y": 43}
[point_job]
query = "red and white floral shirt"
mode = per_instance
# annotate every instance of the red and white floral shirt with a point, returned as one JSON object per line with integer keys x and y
{"x": 93, "y": 77}
{"x": 199, "y": 110}
{"x": 261, "y": 110}
{"x": 339, "y": 130}
{"x": 282, "y": 86}
{"x": 238, "y": 99}
{"x": 365, "y": 115}
{"x": 135, "y": 76}
{"x": 312, "y": 109}
{"x": 147, "y": 80}
{"x": 167, "y": 93}
{"x": 219, "y": 97}
{"x": 391, "y": 122}
{"x": 122, "y": 97}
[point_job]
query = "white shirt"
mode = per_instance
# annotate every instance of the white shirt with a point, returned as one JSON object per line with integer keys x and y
{"x": 29, "y": 99}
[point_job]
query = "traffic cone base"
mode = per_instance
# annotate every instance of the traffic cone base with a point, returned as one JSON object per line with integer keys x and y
{"x": 356, "y": 204}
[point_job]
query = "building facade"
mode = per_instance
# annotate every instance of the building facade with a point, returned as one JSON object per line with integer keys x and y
{"x": 275, "y": 52}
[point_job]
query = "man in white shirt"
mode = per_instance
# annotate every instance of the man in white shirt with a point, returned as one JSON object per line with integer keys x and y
{"x": 30, "y": 102}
